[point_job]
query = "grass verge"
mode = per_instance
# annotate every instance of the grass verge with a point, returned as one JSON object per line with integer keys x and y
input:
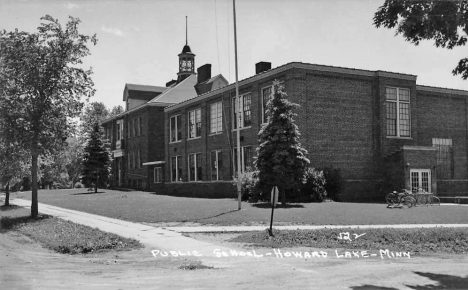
{"x": 418, "y": 241}
{"x": 64, "y": 236}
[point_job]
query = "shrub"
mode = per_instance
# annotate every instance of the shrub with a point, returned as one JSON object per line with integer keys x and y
{"x": 334, "y": 183}
{"x": 248, "y": 179}
{"x": 78, "y": 185}
{"x": 314, "y": 185}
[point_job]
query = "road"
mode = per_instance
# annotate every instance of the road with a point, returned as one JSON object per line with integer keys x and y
{"x": 26, "y": 265}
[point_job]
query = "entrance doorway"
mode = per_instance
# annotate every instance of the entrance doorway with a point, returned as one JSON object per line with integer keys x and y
{"x": 421, "y": 178}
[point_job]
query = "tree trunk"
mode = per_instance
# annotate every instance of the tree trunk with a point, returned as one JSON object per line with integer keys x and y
{"x": 7, "y": 194}
{"x": 34, "y": 204}
{"x": 95, "y": 184}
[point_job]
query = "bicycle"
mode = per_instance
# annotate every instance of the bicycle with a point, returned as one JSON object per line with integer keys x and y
{"x": 400, "y": 199}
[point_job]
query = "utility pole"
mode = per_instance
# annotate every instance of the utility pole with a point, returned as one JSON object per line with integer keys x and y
{"x": 239, "y": 185}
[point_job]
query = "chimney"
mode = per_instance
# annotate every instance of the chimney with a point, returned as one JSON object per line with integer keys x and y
{"x": 262, "y": 66}
{"x": 204, "y": 73}
{"x": 169, "y": 83}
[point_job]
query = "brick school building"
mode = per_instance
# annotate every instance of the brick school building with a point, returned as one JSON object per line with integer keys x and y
{"x": 380, "y": 129}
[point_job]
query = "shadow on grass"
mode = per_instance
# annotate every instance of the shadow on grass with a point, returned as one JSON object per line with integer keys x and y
{"x": 372, "y": 287}
{"x": 268, "y": 205}
{"x": 10, "y": 223}
{"x": 443, "y": 282}
{"x": 86, "y": 193}
{"x": 234, "y": 210}
{"x": 9, "y": 207}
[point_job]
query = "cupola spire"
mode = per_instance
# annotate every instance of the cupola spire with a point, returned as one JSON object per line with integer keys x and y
{"x": 186, "y": 58}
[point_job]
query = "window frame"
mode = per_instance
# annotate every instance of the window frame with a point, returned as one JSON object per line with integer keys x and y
{"x": 157, "y": 176}
{"x": 218, "y": 118}
{"x": 242, "y": 117}
{"x": 178, "y": 169}
{"x": 243, "y": 167}
{"x": 398, "y": 106}
{"x": 177, "y": 128}
{"x": 262, "y": 99}
{"x": 197, "y": 124}
{"x": 140, "y": 126}
{"x": 219, "y": 171}
{"x": 197, "y": 175}
{"x": 445, "y": 161}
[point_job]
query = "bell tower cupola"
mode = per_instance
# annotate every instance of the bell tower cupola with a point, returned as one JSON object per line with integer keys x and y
{"x": 186, "y": 59}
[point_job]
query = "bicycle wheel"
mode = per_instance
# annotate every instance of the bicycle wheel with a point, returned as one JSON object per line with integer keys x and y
{"x": 407, "y": 201}
{"x": 390, "y": 198}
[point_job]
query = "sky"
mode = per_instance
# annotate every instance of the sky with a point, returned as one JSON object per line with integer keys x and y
{"x": 138, "y": 41}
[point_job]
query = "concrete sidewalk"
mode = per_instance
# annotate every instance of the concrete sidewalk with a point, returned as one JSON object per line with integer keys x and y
{"x": 154, "y": 238}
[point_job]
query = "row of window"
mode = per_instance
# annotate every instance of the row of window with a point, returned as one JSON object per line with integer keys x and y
{"x": 216, "y": 111}
{"x": 195, "y": 165}
{"x": 444, "y": 169}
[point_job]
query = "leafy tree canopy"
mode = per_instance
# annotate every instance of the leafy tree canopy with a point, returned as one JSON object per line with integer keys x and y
{"x": 445, "y": 22}
{"x": 93, "y": 113}
{"x": 281, "y": 160}
{"x": 116, "y": 110}
{"x": 42, "y": 83}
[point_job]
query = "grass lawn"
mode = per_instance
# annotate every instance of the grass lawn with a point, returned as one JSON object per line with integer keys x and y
{"x": 61, "y": 236}
{"x": 416, "y": 241}
{"x": 151, "y": 208}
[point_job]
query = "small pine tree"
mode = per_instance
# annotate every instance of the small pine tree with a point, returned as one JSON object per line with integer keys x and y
{"x": 281, "y": 160}
{"x": 96, "y": 161}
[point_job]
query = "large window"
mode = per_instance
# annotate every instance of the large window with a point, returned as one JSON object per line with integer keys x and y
{"x": 444, "y": 147}
{"x": 216, "y": 115}
{"x": 157, "y": 175}
{"x": 176, "y": 168}
{"x": 246, "y": 159}
{"x": 266, "y": 96}
{"x": 175, "y": 128}
{"x": 245, "y": 118}
{"x": 194, "y": 125}
{"x": 398, "y": 112}
{"x": 195, "y": 167}
{"x": 216, "y": 165}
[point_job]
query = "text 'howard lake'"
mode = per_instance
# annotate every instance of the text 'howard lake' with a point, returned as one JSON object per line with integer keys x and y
{"x": 280, "y": 254}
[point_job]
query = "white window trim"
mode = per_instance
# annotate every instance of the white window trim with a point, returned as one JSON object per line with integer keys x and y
{"x": 211, "y": 118}
{"x": 158, "y": 169}
{"x": 217, "y": 153}
{"x": 170, "y": 129}
{"x": 196, "y": 167}
{"x": 177, "y": 179}
{"x": 195, "y": 124}
{"x": 397, "y": 101}
{"x": 241, "y": 97}
{"x": 242, "y": 158}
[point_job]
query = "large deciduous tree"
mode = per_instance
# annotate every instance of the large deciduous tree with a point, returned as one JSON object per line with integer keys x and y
{"x": 42, "y": 83}
{"x": 281, "y": 160}
{"x": 96, "y": 161}
{"x": 445, "y": 22}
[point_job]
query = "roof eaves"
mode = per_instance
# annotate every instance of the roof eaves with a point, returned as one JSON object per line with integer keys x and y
{"x": 441, "y": 90}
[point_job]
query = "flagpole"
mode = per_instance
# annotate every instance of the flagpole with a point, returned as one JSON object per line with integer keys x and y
{"x": 239, "y": 184}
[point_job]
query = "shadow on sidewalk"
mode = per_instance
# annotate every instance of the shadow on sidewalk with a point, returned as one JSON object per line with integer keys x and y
{"x": 231, "y": 211}
{"x": 268, "y": 205}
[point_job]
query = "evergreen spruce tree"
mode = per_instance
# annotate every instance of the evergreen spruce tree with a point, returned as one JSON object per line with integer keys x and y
{"x": 281, "y": 160}
{"x": 96, "y": 161}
